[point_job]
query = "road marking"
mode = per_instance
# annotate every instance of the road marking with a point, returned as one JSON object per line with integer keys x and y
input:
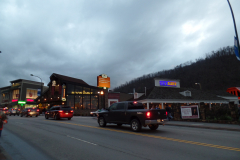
{"x": 82, "y": 140}
{"x": 158, "y": 137}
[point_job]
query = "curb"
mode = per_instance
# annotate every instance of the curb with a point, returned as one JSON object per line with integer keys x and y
{"x": 206, "y": 127}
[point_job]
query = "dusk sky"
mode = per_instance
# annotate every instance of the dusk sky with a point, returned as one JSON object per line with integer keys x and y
{"x": 124, "y": 39}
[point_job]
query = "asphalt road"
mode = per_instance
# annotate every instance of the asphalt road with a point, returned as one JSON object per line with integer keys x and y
{"x": 82, "y": 138}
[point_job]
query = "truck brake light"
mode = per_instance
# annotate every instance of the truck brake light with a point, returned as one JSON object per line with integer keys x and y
{"x": 71, "y": 111}
{"x": 148, "y": 114}
{"x": 60, "y": 111}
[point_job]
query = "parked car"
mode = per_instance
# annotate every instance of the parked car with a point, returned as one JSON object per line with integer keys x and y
{"x": 12, "y": 111}
{"x": 17, "y": 111}
{"x": 58, "y": 112}
{"x": 4, "y": 110}
{"x": 30, "y": 112}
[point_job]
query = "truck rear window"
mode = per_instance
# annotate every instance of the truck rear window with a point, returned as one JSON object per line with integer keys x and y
{"x": 132, "y": 105}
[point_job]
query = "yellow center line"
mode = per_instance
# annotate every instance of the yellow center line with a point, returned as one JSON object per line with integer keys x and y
{"x": 159, "y": 137}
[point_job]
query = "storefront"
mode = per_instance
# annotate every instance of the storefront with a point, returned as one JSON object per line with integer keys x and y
{"x": 72, "y": 92}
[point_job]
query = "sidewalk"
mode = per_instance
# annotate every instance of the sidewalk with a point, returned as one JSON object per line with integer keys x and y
{"x": 206, "y": 125}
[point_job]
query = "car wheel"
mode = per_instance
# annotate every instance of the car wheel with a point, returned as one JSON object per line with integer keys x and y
{"x": 46, "y": 116}
{"x": 153, "y": 126}
{"x": 26, "y": 115}
{"x": 9, "y": 114}
{"x": 135, "y": 125}
{"x": 21, "y": 115}
{"x": 101, "y": 122}
{"x": 69, "y": 118}
{"x": 36, "y": 115}
{"x": 119, "y": 124}
{"x": 14, "y": 114}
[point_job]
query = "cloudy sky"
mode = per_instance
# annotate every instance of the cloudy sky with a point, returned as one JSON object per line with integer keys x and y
{"x": 124, "y": 39}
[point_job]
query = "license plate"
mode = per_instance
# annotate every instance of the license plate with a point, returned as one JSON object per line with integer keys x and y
{"x": 158, "y": 120}
{"x": 66, "y": 113}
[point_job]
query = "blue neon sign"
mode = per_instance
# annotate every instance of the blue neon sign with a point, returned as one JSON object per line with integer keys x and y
{"x": 168, "y": 83}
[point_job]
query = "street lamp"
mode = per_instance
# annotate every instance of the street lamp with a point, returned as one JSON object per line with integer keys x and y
{"x": 199, "y": 85}
{"x": 41, "y": 82}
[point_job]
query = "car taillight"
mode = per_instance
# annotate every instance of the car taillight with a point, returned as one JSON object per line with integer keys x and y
{"x": 60, "y": 111}
{"x": 12, "y": 109}
{"x": 29, "y": 110}
{"x": 148, "y": 114}
{"x": 19, "y": 109}
{"x": 166, "y": 113}
{"x": 71, "y": 111}
{"x": 37, "y": 110}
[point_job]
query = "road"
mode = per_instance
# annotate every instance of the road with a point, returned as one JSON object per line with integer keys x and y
{"x": 82, "y": 138}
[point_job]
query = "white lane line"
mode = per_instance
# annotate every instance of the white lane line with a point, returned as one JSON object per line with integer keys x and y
{"x": 82, "y": 140}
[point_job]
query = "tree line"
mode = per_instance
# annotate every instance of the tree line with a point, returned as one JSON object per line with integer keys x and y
{"x": 219, "y": 70}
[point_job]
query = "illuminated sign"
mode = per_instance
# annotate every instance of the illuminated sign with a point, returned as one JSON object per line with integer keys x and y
{"x": 103, "y": 81}
{"x": 14, "y": 100}
{"x": 63, "y": 99}
{"x": 21, "y": 102}
{"x": 168, "y": 83}
{"x": 30, "y": 100}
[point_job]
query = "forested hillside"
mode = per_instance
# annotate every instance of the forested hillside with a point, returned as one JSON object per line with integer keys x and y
{"x": 219, "y": 70}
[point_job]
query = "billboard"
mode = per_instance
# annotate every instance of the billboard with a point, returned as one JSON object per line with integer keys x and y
{"x": 189, "y": 112}
{"x": 103, "y": 81}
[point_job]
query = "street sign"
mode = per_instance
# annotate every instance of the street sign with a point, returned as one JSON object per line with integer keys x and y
{"x": 39, "y": 92}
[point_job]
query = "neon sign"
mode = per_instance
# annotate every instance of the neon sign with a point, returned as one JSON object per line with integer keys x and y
{"x": 30, "y": 100}
{"x": 14, "y": 100}
{"x": 168, "y": 83}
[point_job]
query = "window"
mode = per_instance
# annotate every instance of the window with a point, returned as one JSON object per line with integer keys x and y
{"x": 31, "y": 93}
{"x": 120, "y": 106}
{"x": 70, "y": 89}
{"x": 15, "y": 94}
{"x": 132, "y": 105}
{"x": 86, "y": 90}
{"x": 94, "y": 101}
{"x": 78, "y": 102}
{"x": 86, "y": 102}
{"x": 113, "y": 106}
{"x": 70, "y": 101}
{"x": 78, "y": 89}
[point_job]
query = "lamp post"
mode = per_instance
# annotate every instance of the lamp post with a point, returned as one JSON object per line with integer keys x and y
{"x": 236, "y": 40}
{"x": 41, "y": 82}
{"x": 199, "y": 85}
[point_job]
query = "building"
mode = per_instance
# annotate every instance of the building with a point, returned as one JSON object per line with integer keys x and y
{"x": 20, "y": 90}
{"x": 168, "y": 92}
{"x": 73, "y": 92}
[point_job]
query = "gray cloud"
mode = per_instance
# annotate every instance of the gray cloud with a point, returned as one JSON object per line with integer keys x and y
{"x": 123, "y": 39}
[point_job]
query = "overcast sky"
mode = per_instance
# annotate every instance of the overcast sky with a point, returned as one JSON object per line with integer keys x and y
{"x": 124, "y": 39}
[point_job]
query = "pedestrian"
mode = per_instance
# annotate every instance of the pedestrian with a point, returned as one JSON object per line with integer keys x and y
{"x": 169, "y": 112}
{"x": 3, "y": 119}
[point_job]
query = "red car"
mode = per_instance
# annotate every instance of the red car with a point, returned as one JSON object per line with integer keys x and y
{"x": 58, "y": 112}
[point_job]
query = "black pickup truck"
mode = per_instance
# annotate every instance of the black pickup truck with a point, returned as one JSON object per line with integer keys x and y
{"x": 133, "y": 113}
